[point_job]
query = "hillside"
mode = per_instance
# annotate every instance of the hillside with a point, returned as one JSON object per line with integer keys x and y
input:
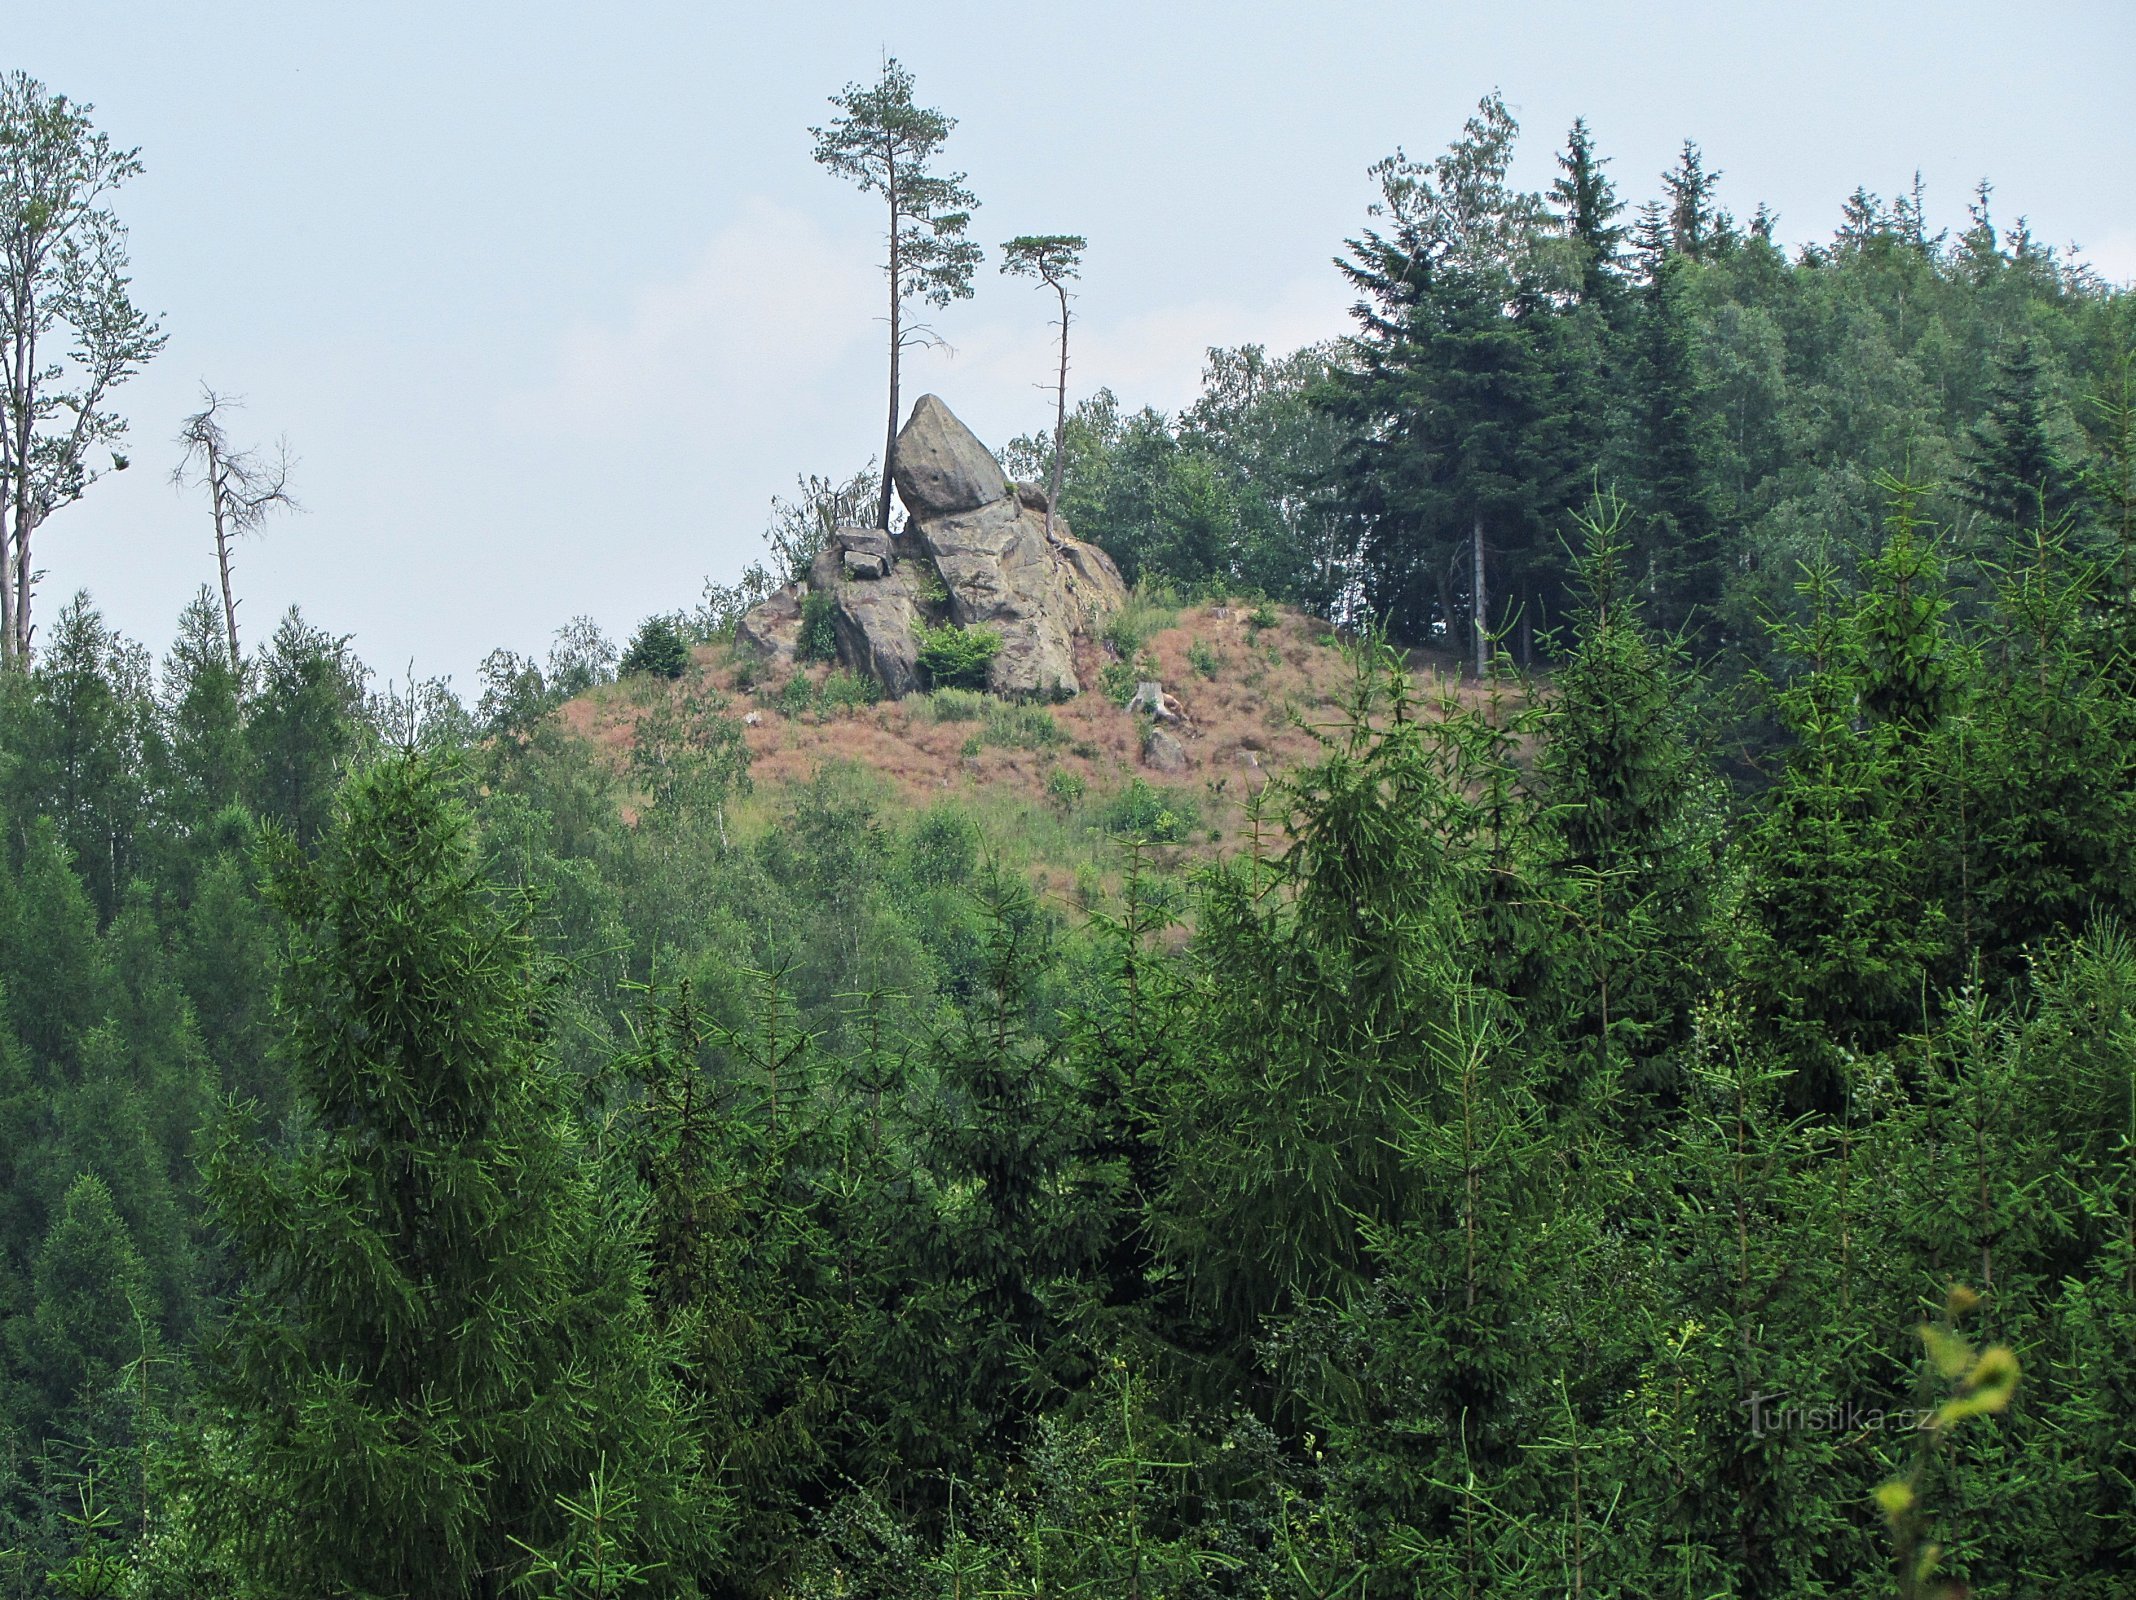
{"x": 1051, "y": 784}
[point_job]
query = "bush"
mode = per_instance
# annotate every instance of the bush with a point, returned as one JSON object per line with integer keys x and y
{"x": 1142, "y": 812}
{"x": 1021, "y": 727}
{"x": 847, "y": 691}
{"x": 1148, "y": 610}
{"x": 658, "y": 650}
{"x": 1261, "y": 618}
{"x": 1065, "y": 787}
{"x": 819, "y": 636}
{"x": 953, "y": 705}
{"x": 1118, "y": 680}
{"x": 1202, "y": 658}
{"x": 957, "y": 658}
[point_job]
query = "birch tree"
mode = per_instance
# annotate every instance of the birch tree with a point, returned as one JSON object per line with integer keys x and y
{"x": 70, "y": 332}
{"x": 882, "y": 142}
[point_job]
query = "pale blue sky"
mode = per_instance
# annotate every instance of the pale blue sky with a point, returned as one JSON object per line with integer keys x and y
{"x": 550, "y": 300}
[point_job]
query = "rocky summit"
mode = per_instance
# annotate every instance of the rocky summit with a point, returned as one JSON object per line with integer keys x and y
{"x": 974, "y": 553}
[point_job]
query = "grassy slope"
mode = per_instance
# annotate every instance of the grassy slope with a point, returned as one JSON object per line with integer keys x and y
{"x": 1243, "y": 725}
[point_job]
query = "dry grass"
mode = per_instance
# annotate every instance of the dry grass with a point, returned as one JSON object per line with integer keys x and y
{"x": 1241, "y": 727}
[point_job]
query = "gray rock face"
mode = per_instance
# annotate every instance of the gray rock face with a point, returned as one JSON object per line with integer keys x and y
{"x": 1162, "y": 752}
{"x": 772, "y": 631}
{"x": 987, "y": 541}
{"x": 941, "y": 469}
{"x": 878, "y": 626}
{"x": 1002, "y": 573}
{"x": 868, "y": 541}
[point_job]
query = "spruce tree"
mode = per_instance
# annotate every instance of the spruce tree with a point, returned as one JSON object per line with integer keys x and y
{"x": 1636, "y": 821}
{"x": 1682, "y": 542}
{"x": 2018, "y": 475}
{"x": 1588, "y": 209}
{"x": 91, "y": 1314}
{"x": 442, "y": 1327}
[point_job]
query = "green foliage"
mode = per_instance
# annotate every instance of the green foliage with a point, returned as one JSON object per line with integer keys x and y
{"x": 955, "y": 705}
{"x": 658, "y": 650}
{"x": 1511, "y": 1171}
{"x": 819, "y": 634}
{"x": 957, "y": 658}
{"x": 1202, "y": 658}
{"x": 1117, "y": 679}
{"x": 1150, "y": 609}
{"x": 444, "y": 1326}
{"x": 1065, "y": 787}
{"x": 1142, "y": 811}
{"x": 1021, "y": 726}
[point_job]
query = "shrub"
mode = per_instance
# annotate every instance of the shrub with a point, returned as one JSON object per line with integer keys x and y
{"x": 1142, "y": 812}
{"x": 953, "y": 705}
{"x": 1021, "y": 727}
{"x": 847, "y": 691}
{"x": 1202, "y": 658}
{"x": 819, "y": 635}
{"x": 942, "y": 850}
{"x": 957, "y": 658}
{"x": 1065, "y": 788}
{"x": 1148, "y": 610}
{"x": 794, "y": 696}
{"x": 1118, "y": 680}
{"x": 1262, "y": 617}
{"x": 658, "y": 650}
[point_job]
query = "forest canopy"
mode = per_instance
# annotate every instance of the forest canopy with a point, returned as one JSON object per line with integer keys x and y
{"x": 1647, "y": 1106}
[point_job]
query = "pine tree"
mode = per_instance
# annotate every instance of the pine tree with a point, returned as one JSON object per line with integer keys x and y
{"x": 443, "y": 1326}
{"x": 1697, "y": 226}
{"x": 303, "y": 727}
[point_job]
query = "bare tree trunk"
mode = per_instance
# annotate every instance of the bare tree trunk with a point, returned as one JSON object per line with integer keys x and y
{"x": 1482, "y": 601}
{"x": 1060, "y": 417}
{"x": 22, "y": 400}
{"x": 882, "y": 509}
{"x": 222, "y": 552}
{"x": 18, "y": 478}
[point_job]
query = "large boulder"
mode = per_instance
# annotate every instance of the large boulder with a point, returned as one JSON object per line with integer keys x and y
{"x": 985, "y": 541}
{"x": 1038, "y": 594}
{"x": 940, "y": 468}
{"x": 877, "y": 621}
{"x": 771, "y": 631}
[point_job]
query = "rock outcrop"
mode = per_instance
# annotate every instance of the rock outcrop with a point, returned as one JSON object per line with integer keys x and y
{"x": 975, "y": 552}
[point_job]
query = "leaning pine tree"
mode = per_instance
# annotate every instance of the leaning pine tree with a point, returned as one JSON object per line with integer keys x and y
{"x": 442, "y": 1338}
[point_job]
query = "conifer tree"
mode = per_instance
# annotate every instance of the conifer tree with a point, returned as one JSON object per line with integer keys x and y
{"x": 2018, "y": 475}
{"x": 89, "y": 1316}
{"x": 1635, "y": 817}
{"x": 303, "y": 725}
{"x": 1588, "y": 209}
{"x": 1682, "y": 541}
{"x": 883, "y": 142}
{"x": 442, "y": 1327}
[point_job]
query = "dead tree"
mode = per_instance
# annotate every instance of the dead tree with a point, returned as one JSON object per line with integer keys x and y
{"x": 243, "y": 487}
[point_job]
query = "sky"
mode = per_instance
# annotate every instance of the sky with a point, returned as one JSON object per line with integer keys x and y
{"x": 550, "y": 301}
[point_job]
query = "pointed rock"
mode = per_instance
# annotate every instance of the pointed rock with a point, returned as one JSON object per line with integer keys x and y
{"x": 941, "y": 468}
